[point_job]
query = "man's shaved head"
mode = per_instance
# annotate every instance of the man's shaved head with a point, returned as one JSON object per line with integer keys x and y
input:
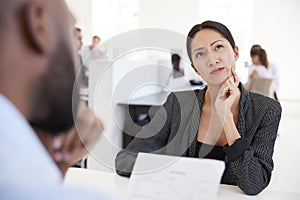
{"x": 37, "y": 60}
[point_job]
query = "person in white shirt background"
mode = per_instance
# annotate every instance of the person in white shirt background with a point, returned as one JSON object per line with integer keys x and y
{"x": 262, "y": 67}
{"x": 37, "y": 74}
{"x": 93, "y": 51}
{"x": 177, "y": 70}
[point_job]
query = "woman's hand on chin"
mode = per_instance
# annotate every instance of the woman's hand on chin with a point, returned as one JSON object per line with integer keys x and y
{"x": 227, "y": 96}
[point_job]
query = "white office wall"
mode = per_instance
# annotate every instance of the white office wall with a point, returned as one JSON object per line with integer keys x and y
{"x": 82, "y": 11}
{"x": 109, "y": 17}
{"x": 105, "y": 18}
{"x": 175, "y": 15}
{"x": 276, "y": 27}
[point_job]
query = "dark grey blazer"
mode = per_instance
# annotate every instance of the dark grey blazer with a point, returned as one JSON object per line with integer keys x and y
{"x": 174, "y": 128}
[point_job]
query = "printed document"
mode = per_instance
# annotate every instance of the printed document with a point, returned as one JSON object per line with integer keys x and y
{"x": 162, "y": 177}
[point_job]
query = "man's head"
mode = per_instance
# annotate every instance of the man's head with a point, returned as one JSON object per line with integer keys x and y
{"x": 78, "y": 38}
{"x": 175, "y": 61}
{"x": 37, "y": 61}
{"x": 95, "y": 41}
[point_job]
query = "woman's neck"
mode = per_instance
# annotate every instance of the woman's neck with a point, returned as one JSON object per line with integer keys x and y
{"x": 211, "y": 94}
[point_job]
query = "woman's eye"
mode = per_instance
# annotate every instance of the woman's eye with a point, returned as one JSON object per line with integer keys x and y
{"x": 219, "y": 47}
{"x": 199, "y": 54}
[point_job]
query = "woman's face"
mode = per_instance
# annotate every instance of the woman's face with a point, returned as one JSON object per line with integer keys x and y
{"x": 255, "y": 60}
{"x": 213, "y": 56}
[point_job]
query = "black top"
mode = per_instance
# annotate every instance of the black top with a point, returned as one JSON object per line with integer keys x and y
{"x": 209, "y": 151}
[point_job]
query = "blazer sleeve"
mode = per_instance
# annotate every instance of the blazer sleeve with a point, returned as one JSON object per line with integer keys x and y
{"x": 253, "y": 169}
{"x": 152, "y": 138}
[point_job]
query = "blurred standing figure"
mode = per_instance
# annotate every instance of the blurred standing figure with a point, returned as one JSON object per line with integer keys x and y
{"x": 82, "y": 67}
{"x": 78, "y": 39}
{"x": 95, "y": 42}
{"x": 93, "y": 51}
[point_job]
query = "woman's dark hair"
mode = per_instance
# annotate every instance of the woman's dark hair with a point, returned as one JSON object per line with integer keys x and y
{"x": 256, "y": 50}
{"x": 220, "y": 28}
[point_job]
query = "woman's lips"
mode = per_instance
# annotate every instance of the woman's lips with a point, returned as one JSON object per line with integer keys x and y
{"x": 217, "y": 70}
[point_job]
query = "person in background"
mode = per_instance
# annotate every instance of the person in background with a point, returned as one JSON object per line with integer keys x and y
{"x": 37, "y": 75}
{"x": 260, "y": 65}
{"x": 78, "y": 38}
{"x": 83, "y": 68}
{"x": 221, "y": 121}
{"x": 93, "y": 51}
{"x": 258, "y": 51}
{"x": 175, "y": 78}
{"x": 177, "y": 71}
{"x": 95, "y": 42}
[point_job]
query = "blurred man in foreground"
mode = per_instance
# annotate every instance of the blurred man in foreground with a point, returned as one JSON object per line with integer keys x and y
{"x": 37, "y": 62}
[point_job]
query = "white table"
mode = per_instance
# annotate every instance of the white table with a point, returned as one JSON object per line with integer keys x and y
{"x": 116, "y": 185}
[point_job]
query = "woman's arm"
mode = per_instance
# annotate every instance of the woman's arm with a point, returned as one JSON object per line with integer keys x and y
{"x": 253, "y": 75}
{"x": 227, "y": 104}
{"x": 152, "y": 138}
{"x": 254, "y": 165}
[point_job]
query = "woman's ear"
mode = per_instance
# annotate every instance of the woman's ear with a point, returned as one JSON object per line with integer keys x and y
{"x": 35, "y": 26}
{"x": 236, "y": 52}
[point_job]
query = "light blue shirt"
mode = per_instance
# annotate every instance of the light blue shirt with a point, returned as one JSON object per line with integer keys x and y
{"x": 23, "y": 157}
{"x": 26, "y": 169}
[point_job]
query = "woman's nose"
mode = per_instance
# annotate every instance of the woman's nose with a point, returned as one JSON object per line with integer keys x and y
{"x": 213, "y": 60}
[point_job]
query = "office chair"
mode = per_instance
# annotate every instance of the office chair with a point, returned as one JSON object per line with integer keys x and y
{"x": 264, "y": 86}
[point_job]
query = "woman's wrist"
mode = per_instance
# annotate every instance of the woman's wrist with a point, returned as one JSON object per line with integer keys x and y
{"x": 237, "y": 149}
{"x": 230, "y": 129}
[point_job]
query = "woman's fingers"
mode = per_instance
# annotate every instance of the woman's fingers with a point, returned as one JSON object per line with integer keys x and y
{"x": 227, "y": 95}
{"x": 232, "y": 81}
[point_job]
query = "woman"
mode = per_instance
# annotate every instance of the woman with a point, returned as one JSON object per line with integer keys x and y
{"x": 221, "y": 121}
{"x": 260, "y": 66}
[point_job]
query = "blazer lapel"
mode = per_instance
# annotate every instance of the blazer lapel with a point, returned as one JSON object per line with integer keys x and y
{"x": 194, "y": 123}
{"x": 241, "y": 124}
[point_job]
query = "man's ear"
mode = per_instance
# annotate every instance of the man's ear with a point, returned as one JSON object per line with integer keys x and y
{"x": 35, "y": 26}
{"x": 236, "y": 52}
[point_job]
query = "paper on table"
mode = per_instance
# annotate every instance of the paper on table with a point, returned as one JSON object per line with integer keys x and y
{"x": 169, "y": 177}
